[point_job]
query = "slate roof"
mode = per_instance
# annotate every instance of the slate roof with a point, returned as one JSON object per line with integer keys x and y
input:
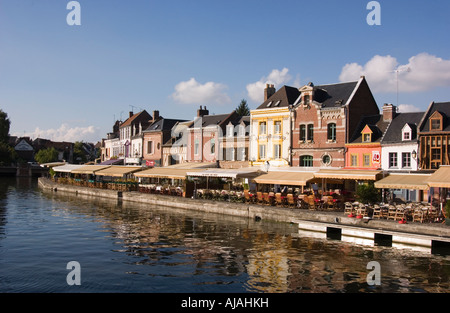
{"x": 143, "y": 115}
{"x": 394, "y": 132}
{"x": 376, "y": 124}
{"x": 441, "y": 107}
{"x": 334, "y": 95}
{"x": 285, "y": 96}
{"x": 163, "y": 124}
{"x": 213, "y": 120}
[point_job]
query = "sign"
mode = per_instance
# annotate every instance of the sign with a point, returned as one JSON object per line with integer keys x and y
{"x": 150, "y": 163}
{"x": 376, "y": 158}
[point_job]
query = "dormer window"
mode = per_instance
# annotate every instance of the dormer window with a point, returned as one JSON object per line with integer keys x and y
{"x": 406, "y": 136}
{"x": 436, "y": 121}
{"x": 367, "y": 134}
{"x": 306, "y": 100}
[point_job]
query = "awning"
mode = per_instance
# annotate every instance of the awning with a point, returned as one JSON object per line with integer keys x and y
{"x": 89, "y": 169}
{"x": 440, "y": 178}
{"x": 227, "y": 173}
{"x": 164, "y": 172}
{"x": 348, "y": 174}
{"x": 118, "y": 171}
{"x": 67, "y": 168}
{"x": 404, "y": 181}
{"x": 285, "y": 178}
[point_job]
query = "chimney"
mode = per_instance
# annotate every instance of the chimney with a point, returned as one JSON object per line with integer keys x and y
{"x": 155, "y": 115}
{"x": 389, "y": 112}
{"x": 131, "y": 113}
{"x": 202, "y": 112}
{"x": 269, "y": 91}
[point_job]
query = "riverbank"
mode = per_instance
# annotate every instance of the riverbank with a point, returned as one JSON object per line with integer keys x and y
{"x": 412, "y": 233}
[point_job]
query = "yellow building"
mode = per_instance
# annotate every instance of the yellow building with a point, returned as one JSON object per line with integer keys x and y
{"x": 270, "y": 139}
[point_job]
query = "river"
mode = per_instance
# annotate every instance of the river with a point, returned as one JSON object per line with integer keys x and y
{"x": 129, "y": 247}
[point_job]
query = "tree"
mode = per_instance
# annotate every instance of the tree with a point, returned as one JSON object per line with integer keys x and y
{"x": 367, "y": 193}
{"x": 243, "y": 109}
{"x": 7, "y": 154}
{"x": 4, "y": 126}
{"x": 46, "y": 155}
{"x": 79, "y": 153}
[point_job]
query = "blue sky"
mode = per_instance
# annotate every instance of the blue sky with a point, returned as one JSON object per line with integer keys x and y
{"x": 66, "y": 82}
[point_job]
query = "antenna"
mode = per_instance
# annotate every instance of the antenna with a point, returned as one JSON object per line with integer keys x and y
{"x": 398, "y": 70}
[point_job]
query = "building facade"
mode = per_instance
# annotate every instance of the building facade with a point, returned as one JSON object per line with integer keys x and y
{"x": 324, "y": 118}
{"x": 270, "y": 127}
{"x": 434, "y": 136}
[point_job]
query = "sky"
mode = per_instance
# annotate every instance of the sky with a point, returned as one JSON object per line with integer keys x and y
{"x": 71, "y": 82}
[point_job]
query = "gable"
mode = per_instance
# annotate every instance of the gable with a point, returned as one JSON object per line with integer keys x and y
{"x": 367, "y": 130}
{"x": 23, "y": 146}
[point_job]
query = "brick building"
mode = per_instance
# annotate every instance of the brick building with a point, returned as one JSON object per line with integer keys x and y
{"x": 324, "y": 119}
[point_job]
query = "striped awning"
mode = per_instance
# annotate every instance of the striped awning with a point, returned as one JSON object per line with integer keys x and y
{"x": 404, "y": 181}
{"x": 227, "y": 173}
{"x": 440, "y": 178}
{"x": 163, "y": 172}
{"x": 118, "y": 171}
{"x": 348, "y": 174}
{"x": 67, "y": 168}
{"x": 89, "y": 169}
{"x": 285, "y": 178}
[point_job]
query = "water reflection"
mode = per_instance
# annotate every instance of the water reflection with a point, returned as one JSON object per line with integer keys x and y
{"x": 150, "y": 249}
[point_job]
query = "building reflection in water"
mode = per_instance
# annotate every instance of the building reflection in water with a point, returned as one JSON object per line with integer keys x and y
{"x": 261, "y": 256}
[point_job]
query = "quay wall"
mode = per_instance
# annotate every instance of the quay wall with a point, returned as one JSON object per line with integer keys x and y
{"x": 272, "y": 213}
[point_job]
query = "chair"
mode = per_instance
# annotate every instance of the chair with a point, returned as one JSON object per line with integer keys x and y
{"x": 348, "y": 208}
{"x": 377, "y": 212}
{"x": 433, "y": 214}
{"x": 259, "y": 197}
{"x": 290, "y": 200}
{"x": 279, "y": 199}
{"x": 311, "y": 203}
{"x": 248, "y": 198}
{"x": 267, "y": 199}
{"x": 419, "y": 215}
{"x": 400, "y": 214}
{"x": 392, "y": 212}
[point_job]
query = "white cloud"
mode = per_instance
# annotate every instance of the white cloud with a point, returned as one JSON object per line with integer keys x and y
{"x": 192, "y": 92}
{"x": 67, "y": 133}
{"x": 405, "y": 108}
{"x": 423, "y": 72}
{"x": 255, "y": 90}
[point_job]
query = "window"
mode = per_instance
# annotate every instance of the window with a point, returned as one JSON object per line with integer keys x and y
{"x": 367, "y": 137}
{"x": 326, "y": 159}
{"x": 150, "y": 147}
{"x": 277, "y": 127}
{"x": 366, "y": 160}
{"x": 302, "y": 132}
{"x": 277, "y": 151}
{"x": 196, "y": 146}
{"x": 436, "y": 154}
{"x": 406, "y": 136}
{"x": 354, "y": 160}
{"x": 212, "y": 144}
{"x": 306, "y": 161}
{"x": 262, "y": 152}
{"x": 406, "y": 159}
{"x": 306, "y": 100}
{"x": 435, "y": 124}
{"x": 262, "y": 128}
{"x": 311, "y": 132}
{"x": 332, "y": 132}
{"x": 393, "y": 159}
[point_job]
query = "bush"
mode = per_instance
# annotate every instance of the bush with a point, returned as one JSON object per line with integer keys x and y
{"x": 367, "y": 193}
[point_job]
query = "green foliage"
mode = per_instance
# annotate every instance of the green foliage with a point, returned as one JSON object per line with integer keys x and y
{"x": 7, "y": 154}
{"x": 243, "y": 109}
{"x": 46, "y": 155}
{"x": 79, "y": 154}
{"x": 367, "y": 193}
{"x": 4, "y": 126}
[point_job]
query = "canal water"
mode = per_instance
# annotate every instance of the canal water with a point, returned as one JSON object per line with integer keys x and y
{"x": 129, "y": 247}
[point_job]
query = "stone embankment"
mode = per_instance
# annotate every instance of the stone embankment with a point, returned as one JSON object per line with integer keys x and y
{"x": 312, "y": 220}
